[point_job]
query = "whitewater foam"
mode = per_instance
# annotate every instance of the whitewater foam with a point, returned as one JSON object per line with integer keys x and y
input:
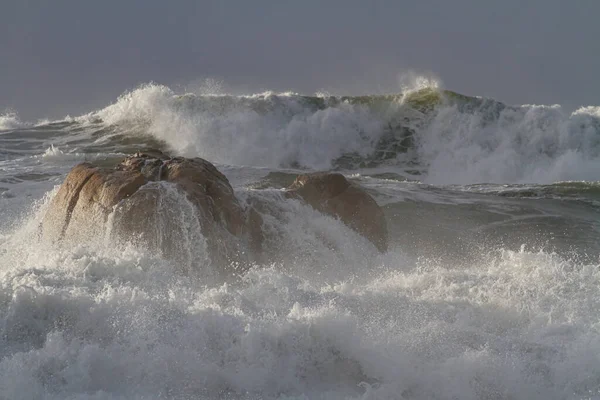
{"x": 260, "y": 130}
{"x": 111, "y": 321}
{"x": 10, "y": 121}
{"x": 525, "y": 144}
{"x": 460, "y": 140}
{"x": 54, "y": 156}
{"x": 327, "y": 317}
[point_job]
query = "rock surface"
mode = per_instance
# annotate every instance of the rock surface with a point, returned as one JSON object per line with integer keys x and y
{"x": 142, "y": 196}
{"x": 85, "y": 199}
{"x": 187, "y": 209}
{"x": 333, "y": 194}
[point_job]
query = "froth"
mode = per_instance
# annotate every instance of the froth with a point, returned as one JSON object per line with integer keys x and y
{"x": 449, "y": 138}
{"x": 470, "y": 142}
{"x": 11, "y": 120}
{"x": 498, "y": 144}
{"x": 114, "y": 321}
{"x": 412, "y": 81}
{"x": 276, "y": 130}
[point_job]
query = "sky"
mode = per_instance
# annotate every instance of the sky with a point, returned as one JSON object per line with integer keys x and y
{"x": 71, "y": 56}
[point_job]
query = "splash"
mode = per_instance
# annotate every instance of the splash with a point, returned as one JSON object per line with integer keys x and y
{"x": 425, "y": 133}
{"x": 411, "y": 81}
{"x": 500, "y": 144}
{"x": 112, "y": 321}
{"x": 259, "y": 130}
{"x": 10, "y": 121}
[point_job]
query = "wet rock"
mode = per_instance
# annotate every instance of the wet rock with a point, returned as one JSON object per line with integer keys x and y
{"x": 187, "y": 210}
{"x": 162, "y": 201}
{"x": 86, "y": 197}
{"x": 333, "y": 194}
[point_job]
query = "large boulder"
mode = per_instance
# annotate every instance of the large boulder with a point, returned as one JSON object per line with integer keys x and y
{"x": 331, "y": 193}
{"x": 164, "y": 202}
{"x": 187, "y": 210}
{"x": 85, "y": 199}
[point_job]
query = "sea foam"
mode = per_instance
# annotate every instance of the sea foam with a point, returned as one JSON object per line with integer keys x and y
{"x": 112, "y": 321}
{"x": 461, "y": 141}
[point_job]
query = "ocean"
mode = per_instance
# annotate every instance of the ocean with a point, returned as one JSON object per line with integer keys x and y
{"x": 490, "y": 288}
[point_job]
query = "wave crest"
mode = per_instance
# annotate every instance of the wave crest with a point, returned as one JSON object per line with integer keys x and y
{"x": 425, "y": 133}
{"x": 10, "y": 120}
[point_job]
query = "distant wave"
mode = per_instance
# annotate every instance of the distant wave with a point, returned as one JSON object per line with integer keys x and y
{"x": 10, "y": 120}
{"x": 438, "y": 136}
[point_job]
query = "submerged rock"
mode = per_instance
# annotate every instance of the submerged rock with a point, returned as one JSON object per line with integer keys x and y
{"x": 186, "y": 209}
{"x": 331, "y": 193}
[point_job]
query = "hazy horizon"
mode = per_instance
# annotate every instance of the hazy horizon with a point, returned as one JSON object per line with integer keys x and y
{"x": 69, "y": 57}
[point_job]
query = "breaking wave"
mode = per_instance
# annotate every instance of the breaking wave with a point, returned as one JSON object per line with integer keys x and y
{"x": 11, "y": 120}
{"x": 430, "y": 134}
{"x": 108, "y": 320}
{"x": 489, "y": 290}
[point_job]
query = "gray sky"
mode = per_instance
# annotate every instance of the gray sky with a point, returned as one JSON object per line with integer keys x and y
{"x": 71, "y": 56}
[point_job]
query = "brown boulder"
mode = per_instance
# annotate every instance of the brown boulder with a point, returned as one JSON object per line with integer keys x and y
{"x": 333, "y": 194}
{"x": 187, "y": 210}
{"x": 164, "y": 202}
{"x": 85, "y": 199}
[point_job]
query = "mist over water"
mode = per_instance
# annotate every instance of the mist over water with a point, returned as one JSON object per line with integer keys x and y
{"x": 490, "y": 289}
